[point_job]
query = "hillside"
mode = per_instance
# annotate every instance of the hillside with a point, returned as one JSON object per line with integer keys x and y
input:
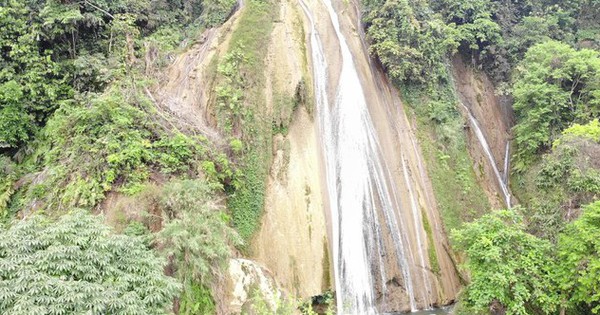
{"x": 299, "y": 157}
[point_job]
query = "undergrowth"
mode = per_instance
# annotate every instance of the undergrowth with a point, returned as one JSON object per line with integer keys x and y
{"x": 460, "y": 198}
{"x": 240, "y": 110}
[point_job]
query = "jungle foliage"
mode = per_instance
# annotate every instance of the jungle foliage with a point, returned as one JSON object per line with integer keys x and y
{"x": 544, "y": 57}
{"x": 514, "y": 272}
{"x": 76, "y": 264}
{"x": 77, "y": 122}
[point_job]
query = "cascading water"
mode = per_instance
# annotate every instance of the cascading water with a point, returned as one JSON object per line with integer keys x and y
{"x": 506, "y": 163}
{"x": 363, "y": 200}
{"x": 502, "y": 182}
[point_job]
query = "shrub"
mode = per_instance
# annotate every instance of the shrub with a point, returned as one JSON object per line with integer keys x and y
{"x": 76, "y": 265}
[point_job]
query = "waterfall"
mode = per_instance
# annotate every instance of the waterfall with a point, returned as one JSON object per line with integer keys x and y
{"x": 363, "y": 200}
{"x": 506, "y": 163}
{"x": 502, "y": 182}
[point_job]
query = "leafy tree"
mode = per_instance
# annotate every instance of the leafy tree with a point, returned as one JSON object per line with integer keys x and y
{"x": 509, "y": 268}
{"x": 76, "y": 265}
{"x": 579, "y": 249}
{"x": 409, "y": 41}
{"x": 31, "y": 84}
{"x": 566, "y": 178}
{"x": 473, "y": 21}
{"x": 196, "y": 237}
{"x": 554, "y": 87}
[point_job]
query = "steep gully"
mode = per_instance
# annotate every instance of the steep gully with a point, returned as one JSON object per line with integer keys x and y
{"x": 488, "y": 118}
{"x": 379, "y": 196}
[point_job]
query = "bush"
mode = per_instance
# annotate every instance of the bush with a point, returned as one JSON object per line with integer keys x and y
{"x": 76, "y": 265}
{"x": 196, "y": 234}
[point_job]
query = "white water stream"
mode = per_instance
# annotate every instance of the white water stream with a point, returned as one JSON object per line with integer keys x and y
{"x": 502, "y": 181}
{"x": 362, "y": 199}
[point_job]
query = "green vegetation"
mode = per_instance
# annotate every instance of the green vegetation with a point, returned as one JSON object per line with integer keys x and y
{"x": 77, "y": 123}
{"x": 77, "y": 265}
{"x": 196, "y": 237}
{"x": 110, "y": 142}
{"x": 517, "y": 273}
{"x": 544, "y": 56}
{"x": 577, "y": 273}
{"x": 241, "y": 114}
{"x": 431, "y": 252}
{"x": 509, "y": 268}
{"x": 407, "y": 39}
{"x": 554, "y": 87}
{"x": 566, "y": 178}
{"x": 458, "y": 194}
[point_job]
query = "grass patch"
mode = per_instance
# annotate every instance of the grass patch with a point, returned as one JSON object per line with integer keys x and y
{"x": 241, "y": 113}
{"x": 433, "y": 260}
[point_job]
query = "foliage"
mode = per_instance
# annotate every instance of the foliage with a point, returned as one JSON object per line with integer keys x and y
{"x": 262, "y": 304}
{"x": 230, "y": 96}
{"x": 51, "y": 50}
{"x": 508, "y": 266}
{"x": 564, "y": 179}
{"x": 76, "y": 265}
{"x": 441, "y": 138}
{"x": 240, "y": 95}
{"x": 86, "y": 151}
{"x": 554, "y": 87}
{"x": 32, "y": 85}
{"x": 8, "y": 176}
{"x": 473, "y": 23}
{"x": 196, "y": 234}
{"x": 589, "y": 131}
{"x": 196, "y": 238}
{"x": 409, "y": 41}
{"x": 578, "y": 271}
{"x": 197, "y": 300}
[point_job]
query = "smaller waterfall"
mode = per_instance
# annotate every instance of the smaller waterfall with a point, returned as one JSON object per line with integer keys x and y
{"x": 506, "y": 162}
{"x": 488, "y": 152}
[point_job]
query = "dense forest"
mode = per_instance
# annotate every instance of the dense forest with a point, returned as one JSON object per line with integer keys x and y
{"x": 82, "y": 130}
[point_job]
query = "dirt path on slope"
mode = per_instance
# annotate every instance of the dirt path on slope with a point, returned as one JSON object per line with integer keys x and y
{"x": 185, "y": 90}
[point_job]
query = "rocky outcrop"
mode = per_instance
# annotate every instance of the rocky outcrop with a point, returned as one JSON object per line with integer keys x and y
{"x": 292, "y": 241}
{"x": 250, "y": 284}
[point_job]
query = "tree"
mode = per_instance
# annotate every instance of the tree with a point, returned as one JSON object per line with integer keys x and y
{"x": 76, "y": 265}
{"x": 409, "y": 41}
{"x": 473, "y": 22}
{"x": 579, "y": 256}
{"x": 565, "y": 179}
{"x": 196, "y": 237}
{"x": 31, "y": 84}
{"x": 509, "y": 268}
{"x": 555, "y": 86}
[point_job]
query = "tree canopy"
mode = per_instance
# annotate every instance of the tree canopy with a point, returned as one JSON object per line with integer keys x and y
{"x": 579, "y": 249}
{"x": 555, "y": 86}
{"x": 509, "y": 268}
{"x": 77, "y": 265}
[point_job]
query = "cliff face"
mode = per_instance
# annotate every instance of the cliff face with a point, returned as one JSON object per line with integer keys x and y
{"x": 292, "y": 241}
{"x": 295, "y": 239}
{"x": 494, "y": 116}
{"x": 373, "y": 147}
